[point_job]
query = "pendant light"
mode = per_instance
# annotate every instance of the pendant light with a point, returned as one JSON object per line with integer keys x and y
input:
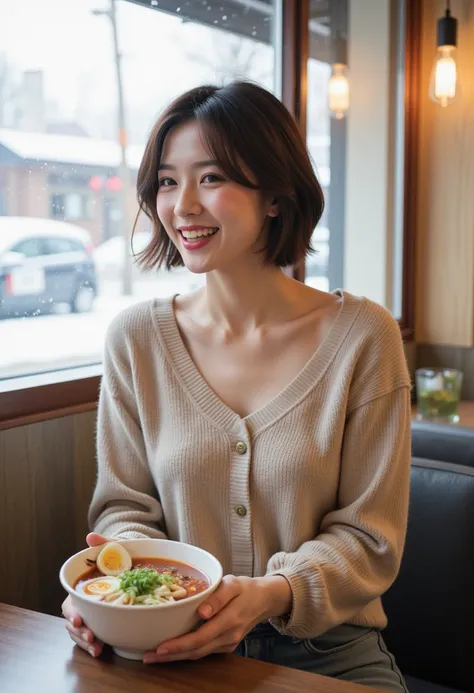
{"x": 444, "y": 73}
{"x": 338, "y": 86}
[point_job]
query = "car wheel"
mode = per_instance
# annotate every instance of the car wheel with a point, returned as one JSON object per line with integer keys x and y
{"x": 83, "y": 300}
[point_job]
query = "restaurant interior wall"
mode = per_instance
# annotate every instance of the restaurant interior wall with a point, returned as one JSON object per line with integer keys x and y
{"x": 445, "y": 212}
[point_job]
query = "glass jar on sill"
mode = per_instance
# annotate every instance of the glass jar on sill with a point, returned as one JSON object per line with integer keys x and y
{"x": 438, "y": 393}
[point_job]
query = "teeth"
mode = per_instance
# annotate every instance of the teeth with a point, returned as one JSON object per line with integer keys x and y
{"x": 189, "y": 235}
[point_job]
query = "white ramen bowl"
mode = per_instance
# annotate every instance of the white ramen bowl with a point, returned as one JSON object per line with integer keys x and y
{"x": 132, "y": 630}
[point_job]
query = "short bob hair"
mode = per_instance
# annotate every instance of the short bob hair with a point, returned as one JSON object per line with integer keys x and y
{"x": 245, "y": 128}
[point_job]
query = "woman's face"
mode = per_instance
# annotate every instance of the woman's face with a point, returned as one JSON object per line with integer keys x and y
{"x": 214, "y": 222}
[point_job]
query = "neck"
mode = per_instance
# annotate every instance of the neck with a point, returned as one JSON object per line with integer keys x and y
{"x": 247, "y": 298}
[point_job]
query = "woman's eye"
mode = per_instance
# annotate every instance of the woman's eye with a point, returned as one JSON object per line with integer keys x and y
{"x": 165, "y": 182}
{"x": 212, "y": 178}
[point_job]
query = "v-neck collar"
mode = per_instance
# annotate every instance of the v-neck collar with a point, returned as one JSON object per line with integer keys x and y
{"x": 209, "y": 402}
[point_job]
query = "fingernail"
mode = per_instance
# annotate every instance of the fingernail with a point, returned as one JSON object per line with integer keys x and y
{"x": 85, "y": 637}
{"x": 150, "y": 659}
{"x": 91, "y": 651}
{"x": 162, "y": 651}
{"x": 206, "y": 611}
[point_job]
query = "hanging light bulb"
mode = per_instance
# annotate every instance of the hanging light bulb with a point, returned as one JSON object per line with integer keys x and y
{"x": 444, "y": 73}
{"x": 338, "y": 86}
{"x": 338, "y": 91}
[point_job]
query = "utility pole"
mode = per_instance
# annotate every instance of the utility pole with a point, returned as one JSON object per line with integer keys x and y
{"x": 122, "y": 139}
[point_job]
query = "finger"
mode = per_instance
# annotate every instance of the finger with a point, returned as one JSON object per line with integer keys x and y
{"x": 93, "y": 649}
{"x": 94, "y": 539}
{"x": 70, "y": 614}
{"x": 83, "y": 633}
{"x": 227, "y": 590}
{"x": 209, "y": 632}
{"x": 223, "y": 644}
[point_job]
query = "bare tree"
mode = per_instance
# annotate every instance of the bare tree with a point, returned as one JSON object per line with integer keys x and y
{"x": 229, "y": 56}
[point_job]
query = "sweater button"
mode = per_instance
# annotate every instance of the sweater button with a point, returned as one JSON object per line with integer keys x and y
{"x": 241, "y": 510}
{"x": 241, "y": 447}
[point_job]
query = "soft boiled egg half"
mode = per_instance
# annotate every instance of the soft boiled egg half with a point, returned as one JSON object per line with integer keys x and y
{"x": 98, "y": 588}
{"x": 113, "y": 559}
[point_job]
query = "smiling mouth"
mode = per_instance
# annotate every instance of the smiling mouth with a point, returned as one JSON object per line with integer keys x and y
{"x": 195, "y": 236}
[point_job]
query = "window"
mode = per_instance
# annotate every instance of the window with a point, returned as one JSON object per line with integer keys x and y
{"x": 53, "y": 246}
{"x": 69, "y": 206}
{"x": 57, "y": 206}
{"x": 33, "y": 247}
{"x": 59, "y": 156}
{"x": 321, "y": 140}
{"x": 359, "y": 159}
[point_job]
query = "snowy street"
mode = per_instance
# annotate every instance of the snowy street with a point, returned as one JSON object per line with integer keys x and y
{"x": 49, "y": 342}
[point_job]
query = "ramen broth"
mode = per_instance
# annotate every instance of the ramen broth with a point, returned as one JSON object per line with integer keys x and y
{"x": 176, "y": 577}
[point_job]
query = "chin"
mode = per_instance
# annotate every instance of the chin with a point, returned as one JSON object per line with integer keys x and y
{"x": 199, "y": 267}
{"x": 197, "y": 270}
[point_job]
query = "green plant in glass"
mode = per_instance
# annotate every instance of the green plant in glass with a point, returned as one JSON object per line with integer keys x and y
{"x": 439, "y": 393}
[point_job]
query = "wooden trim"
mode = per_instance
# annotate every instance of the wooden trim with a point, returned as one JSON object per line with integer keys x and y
{"x": 295, "y": 58}
{"x": 408, "y": 333}
{"x": 46, "y": 415}
{"x": 48, "y": 396}
{"x": 295, "y": 71}
{"x": 413, "y": 25}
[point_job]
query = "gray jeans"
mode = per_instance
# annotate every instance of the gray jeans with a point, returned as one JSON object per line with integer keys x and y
{"x": 347, "y": 652}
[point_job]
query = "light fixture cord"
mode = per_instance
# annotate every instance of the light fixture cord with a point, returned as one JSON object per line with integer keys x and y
{"x": 448, "y": 5}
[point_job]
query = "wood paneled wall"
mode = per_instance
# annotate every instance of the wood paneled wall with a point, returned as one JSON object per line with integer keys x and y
{"x": 445, "y": 220}
{"x": 47, "y": 475}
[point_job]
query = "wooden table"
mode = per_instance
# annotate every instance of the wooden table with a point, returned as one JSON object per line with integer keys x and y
{"x": 36, "y": 656}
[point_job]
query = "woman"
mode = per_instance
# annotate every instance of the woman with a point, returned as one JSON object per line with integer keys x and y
{"x": 258, "y": 418}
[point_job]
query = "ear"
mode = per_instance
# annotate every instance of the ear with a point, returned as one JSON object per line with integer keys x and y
{"x": 274, "y": 208}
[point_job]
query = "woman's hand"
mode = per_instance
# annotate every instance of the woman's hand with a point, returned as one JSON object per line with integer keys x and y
{"x": 81, "y": 635}
{"x": 238, "y": 604}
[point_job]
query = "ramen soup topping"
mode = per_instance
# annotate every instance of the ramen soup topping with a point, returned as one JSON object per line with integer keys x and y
{"x": 149, "y": 581}
{"x": 114, "y": 559}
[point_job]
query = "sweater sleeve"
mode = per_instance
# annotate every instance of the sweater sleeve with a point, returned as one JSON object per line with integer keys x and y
{"x": 125, "y": 503}
{"x": 357, "y": 553}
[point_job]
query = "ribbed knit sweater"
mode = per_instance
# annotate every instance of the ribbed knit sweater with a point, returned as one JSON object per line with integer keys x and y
{"x": 313, "y": 486}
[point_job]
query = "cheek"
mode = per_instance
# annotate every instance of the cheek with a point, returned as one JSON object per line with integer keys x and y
{"x": 164, "y": 209}
{"x": 235, "y": 207}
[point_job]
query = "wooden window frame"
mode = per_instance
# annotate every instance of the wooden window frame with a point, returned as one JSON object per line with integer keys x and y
{"x": 30, "y": 399}
{"x": 413, "y": 28}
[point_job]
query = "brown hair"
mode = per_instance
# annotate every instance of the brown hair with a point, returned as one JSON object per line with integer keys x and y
{"x": 244, "y": 127}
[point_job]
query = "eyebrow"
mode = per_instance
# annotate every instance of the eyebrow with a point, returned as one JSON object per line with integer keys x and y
{"x": 197, "y": 164}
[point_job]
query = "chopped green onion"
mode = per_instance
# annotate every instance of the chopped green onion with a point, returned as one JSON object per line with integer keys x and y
{"x": 141, "y": 581}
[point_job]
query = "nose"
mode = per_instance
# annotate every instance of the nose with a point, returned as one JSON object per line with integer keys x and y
{"x": 187, "y": 202}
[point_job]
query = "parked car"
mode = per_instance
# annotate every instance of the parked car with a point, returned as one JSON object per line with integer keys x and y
{"x": 43, "y": 263}
{"x": 109, "y": 256}
{"x": 109, "y": 259}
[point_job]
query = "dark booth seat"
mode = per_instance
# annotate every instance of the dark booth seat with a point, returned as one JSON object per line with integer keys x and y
{"x": 430, "y": 607}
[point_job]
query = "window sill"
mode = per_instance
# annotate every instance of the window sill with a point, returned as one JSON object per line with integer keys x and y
{"x": 34, "y": 398}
